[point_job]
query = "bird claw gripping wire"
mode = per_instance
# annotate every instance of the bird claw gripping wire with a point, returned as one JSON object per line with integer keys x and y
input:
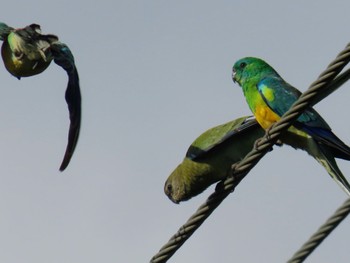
{"x": 260, "y": 141}
{"x": 268, "y": 136}
{"x": 220, "y": 186}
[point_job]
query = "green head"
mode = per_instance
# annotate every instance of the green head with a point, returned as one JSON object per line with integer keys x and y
{"x": 250, "y": 69}
{"x": 176, "y": 186}
{"x": 188, "y": 180}
{"x": 26, "y": 52}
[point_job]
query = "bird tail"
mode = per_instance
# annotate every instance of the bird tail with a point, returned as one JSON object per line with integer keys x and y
{"x": 324, "y": 154}
{"x": 327, "y": 160}
{"x": 328, "y": 138}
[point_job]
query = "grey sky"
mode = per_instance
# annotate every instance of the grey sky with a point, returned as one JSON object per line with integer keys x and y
{"x": 154, "y": 75}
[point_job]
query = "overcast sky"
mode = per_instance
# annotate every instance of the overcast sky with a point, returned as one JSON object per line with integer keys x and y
{"x": 155, "y": 75}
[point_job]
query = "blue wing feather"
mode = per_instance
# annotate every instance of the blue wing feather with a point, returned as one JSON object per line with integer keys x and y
{"x": 310, "y": 121}
{"x": 328, "y": 138}
{"x": 286, "y": 95}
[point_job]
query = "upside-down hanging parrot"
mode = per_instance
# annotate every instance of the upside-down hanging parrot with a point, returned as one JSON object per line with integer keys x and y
{"x": 27, "y": 52}
{"x": 269, "y": 97}
{"x": 210, "y": 156}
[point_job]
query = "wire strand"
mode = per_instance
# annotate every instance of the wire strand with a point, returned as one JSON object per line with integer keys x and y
{"x": 321, "y": 234}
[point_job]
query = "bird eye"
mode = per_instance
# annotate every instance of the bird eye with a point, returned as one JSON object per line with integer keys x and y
{"x": 18, "y": 54}
{"x": 242, "y": 65}
{"x": 169, "y": 188}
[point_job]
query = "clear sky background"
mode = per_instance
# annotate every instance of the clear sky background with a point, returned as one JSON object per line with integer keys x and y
{"x": 154, "y": 76}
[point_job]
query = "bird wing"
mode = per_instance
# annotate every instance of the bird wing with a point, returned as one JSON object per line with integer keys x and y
{"x": 33, "y": 44}
{"x": 277, "y": 94}
{"x": 280, "y": 96}
{"x": 4, "y": 31}
{"x": 216, "y": 136}
{"x": 327, "y": 138}
{"x": 64, "y": 58}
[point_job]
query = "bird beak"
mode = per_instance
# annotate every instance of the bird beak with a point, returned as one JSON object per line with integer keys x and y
{"x": 234, "y": 75}
{"x": 174, "y": 201}
{"x": 168, "y": 190}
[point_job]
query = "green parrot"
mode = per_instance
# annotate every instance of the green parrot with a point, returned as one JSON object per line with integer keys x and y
{"x": 210, "y": 157}
{"x": 269, "y": 97}
{"x": 26, "y": 52}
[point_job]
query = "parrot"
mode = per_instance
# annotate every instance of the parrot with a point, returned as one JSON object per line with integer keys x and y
{"x": 269, "y": 96}
{"x": 26, "y": 52}
{"x": 210, "y": 156}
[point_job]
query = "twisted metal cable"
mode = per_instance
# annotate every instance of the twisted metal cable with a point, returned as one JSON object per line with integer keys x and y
{"x": 336, "y": 83}
{"x": 241, "y": 169}
{"x": 321, "y": 234}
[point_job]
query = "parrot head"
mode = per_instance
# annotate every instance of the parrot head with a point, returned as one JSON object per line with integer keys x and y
{"x": 26, "y": 52}
{"x": 175, "y": 187}
{"x": 248, "y": 68}
{"x": 188, "y": 180}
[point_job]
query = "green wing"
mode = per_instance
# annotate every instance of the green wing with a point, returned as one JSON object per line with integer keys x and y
{"x": 215, "y": 136}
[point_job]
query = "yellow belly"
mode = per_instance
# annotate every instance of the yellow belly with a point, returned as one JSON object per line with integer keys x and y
{"x": 265, "y": 116}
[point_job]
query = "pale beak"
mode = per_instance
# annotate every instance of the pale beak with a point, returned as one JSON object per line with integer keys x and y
{"x": 234, "y": 75}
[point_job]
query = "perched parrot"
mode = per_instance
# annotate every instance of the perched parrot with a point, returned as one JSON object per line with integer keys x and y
{"x": 27, "y": 52}
{"x": 269, "y": 97}
{"x": 210, "y": 157}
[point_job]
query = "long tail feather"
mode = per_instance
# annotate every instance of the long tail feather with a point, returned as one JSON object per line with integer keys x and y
{"x": 328, "y": 161}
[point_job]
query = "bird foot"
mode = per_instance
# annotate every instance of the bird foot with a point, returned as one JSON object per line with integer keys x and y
{"x": 279, "y": 143}
{"x": 42, "y": 54}
{"x": 257, "y": 143}
{"x": 220, "y": 186}
{"x": 267, "y": 137}
{"x": 35, "y": 65}
{"x": 268, "y": 131}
